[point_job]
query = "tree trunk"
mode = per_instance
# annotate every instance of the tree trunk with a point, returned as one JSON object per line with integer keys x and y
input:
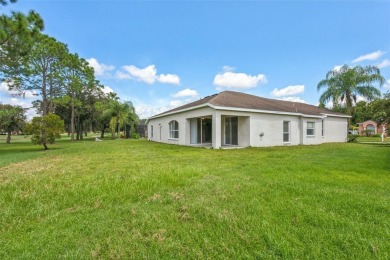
{"x": 102, "y": 134}
{"x": 44, "y": 94}
{"x": 44, "y": 145}
{"x": 77, "y": 126}
{"x": 72, "y": 123}
{"x": 8, "y": 137}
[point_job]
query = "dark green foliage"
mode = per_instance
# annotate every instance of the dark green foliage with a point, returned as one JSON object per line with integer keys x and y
{"x": 12, "y": 118}
{"x": 45, "y": 130}
{"x": 18, "y": 33}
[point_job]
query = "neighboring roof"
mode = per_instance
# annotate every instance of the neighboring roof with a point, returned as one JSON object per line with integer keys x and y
{"x": 232, "y": 99}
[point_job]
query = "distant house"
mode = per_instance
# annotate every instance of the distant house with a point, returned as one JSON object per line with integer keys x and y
{"x": 371, "y": 126}
{"x": 142, "y": 129}
{"x": 234, "y": 119}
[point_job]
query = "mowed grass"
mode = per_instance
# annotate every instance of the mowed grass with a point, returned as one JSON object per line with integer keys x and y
{"x": 138, "y": 199}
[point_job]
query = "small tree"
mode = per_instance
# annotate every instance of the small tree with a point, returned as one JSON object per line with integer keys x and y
{"x": 12, "y": 118}
{"x": 45, "y": 129}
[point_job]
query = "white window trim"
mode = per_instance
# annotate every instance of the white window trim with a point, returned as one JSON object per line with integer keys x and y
{"x": 314, "y": 129}
{"x": 171, "y": 132}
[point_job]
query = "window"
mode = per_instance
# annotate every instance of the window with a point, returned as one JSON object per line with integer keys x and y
{"x": 286, "y": 131}
{"x": 231, "y": 130}
{"x": 174, "y": 129}
{"x": 151, "y": 131}
{"x": 322, "y": 128}
{"x": 310, "y": 128}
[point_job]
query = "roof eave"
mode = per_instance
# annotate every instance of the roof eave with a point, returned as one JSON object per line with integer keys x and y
{"x": 248, "y": 110}
{"x": 334, "y": 115}
{"x": 265, "y": 111}
{"x": 179, "y": 111}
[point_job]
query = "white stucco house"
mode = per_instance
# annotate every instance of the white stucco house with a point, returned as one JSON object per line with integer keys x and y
{"x": 234, "y": 119}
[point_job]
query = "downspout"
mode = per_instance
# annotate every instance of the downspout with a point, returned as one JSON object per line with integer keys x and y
{"x": 300, "y": 130}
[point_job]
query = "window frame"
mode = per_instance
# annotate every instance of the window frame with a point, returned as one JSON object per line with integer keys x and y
{"x": 310, "y": 128}
{"x": 173, "y": 130}
{"x": 288, "y": 132}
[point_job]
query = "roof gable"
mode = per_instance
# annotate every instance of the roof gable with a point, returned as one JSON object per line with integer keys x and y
{"x": 232, "y": 99}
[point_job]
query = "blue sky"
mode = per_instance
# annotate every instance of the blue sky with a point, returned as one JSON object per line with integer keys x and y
{"x": 162, "y": 54}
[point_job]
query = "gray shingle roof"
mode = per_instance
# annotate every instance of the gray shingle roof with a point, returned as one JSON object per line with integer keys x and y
{"x": 240, "y": 100}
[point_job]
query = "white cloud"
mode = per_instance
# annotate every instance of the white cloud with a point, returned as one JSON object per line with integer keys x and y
{"x": 288, "y": 91}
{"x": 293, "y": 99}
{"x": 385, "y": 63}
{"x": 27, "y": 94}
{"x": 122, "y": 75}
{"x": 337, "y": 67}
{"x": 370, "y": 56}
{"x": 157, "y": 106}
{"x": 169, "y": 79}
{"x": 387, "y": 84}
{"x": 107, "y": 89}
{"x": 176, "y": 103}
{"x": 238, "y": 80}
{"x": 186, "y": 93}
{"x": 148, "y": 75}
{"x": 228, "y": 68}
{"x": 100, "y": 68}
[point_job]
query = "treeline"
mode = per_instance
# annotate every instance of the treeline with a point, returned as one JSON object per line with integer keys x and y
{"x": 32, "y": 63}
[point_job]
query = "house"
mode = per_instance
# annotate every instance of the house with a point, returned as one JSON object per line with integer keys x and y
{"x": 234, "y": 119}
{"x": 371, "y": 126}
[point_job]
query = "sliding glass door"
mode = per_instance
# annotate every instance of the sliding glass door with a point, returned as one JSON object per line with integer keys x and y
{"x": 231, "y": 130}
{"x": 201, "y": 130}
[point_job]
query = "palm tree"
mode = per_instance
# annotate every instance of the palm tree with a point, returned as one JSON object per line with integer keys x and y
{"x": 346, "y": 84}
{"x": 121, "y": 115}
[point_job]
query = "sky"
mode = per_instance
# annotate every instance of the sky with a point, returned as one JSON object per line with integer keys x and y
{"x": 163, "y": 54}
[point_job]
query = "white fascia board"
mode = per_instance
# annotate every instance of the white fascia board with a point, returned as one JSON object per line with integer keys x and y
{"x": 263, "y": 111}
{"x": 179, "y": 111}
{"x": 345, "y": 116}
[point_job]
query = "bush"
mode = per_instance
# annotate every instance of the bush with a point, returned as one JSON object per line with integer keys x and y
{"x": 377, "y": 135}
{"x": 352, "y": 138}
{"x": 368, "y": 132}
{"x": 134, "y": 136}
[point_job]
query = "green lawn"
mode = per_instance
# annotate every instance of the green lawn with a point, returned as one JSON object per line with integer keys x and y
{"x": 138, "y": 199}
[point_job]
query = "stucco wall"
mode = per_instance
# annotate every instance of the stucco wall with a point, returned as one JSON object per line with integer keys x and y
{"x": 184, "y": 126}
{"x": 336, "y": 129}
{"x": 251, "y": 125}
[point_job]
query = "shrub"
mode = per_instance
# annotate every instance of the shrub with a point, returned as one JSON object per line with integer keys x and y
{"x": 351, "y": 138}
{"x": 368, "y": 132}
{"x": 377, "y": 135}
{"x": 134, "y": 136}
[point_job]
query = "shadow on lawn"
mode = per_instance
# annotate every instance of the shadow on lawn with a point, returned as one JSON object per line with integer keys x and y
{"x": 376, "y": 144}
{"x": 18, "y": 150}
